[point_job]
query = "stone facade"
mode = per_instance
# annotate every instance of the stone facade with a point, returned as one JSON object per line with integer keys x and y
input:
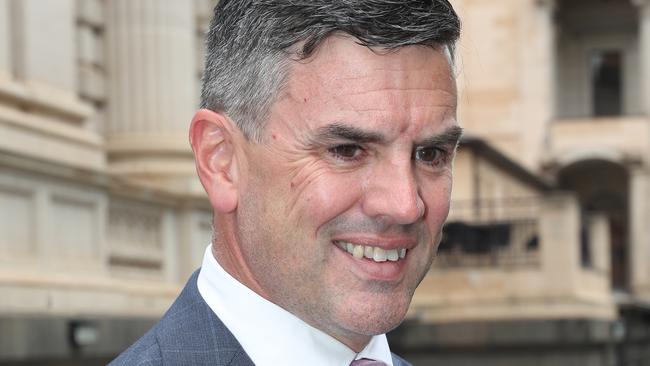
{"x": 528, "y": 73}
{"x": 102, "y": 218}
{"x": 561, "y": 88}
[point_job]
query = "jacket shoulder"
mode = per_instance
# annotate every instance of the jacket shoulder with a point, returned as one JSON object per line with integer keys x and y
{"x": 189, "y": 333}
{"x": 144, "y": 352}
{"x": 398, "y": 361}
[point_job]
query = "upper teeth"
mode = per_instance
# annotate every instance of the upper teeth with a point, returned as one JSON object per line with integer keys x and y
{"x": 374, "y": 253}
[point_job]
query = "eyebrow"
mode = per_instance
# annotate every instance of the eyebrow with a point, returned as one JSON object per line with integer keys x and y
{"x": 450, "y": 136}
{"x": 339, "y": 131}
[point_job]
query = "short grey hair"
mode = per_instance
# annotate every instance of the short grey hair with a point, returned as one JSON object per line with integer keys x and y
{"x": 251, "y": 43}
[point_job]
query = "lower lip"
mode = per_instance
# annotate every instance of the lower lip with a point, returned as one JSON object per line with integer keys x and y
{"x": 379, "y": 271}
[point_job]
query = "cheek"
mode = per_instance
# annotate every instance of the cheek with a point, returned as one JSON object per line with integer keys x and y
{"x": 436, "y": 197}
{"x": 329, "y": 196}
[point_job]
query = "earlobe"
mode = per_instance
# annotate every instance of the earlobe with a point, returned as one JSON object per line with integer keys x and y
{"x": 214, "y": 154}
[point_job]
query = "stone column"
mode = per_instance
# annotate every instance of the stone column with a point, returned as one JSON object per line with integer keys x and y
{"x": 639, "y": 228}
{"x": 152, "y": 89}
{"x": 538, "y": 76}
{"x": 5, "y": 41}
{"x": 560, "y": 243}
{"x": 644, "y": 52}
{"x": 43, "y": 43}
{"x": 599, "y": 238}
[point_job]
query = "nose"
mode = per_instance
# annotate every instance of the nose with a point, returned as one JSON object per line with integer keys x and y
{"x": 392, "y": 193}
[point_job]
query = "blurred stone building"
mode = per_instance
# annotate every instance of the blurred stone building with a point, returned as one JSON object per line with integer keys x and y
{"x": 555, "y": 273}
{"x": 545, "y": 257}
{"x": 101, "y": 216}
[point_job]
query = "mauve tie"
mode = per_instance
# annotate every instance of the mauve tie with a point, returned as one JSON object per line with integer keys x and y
{"x": 367, "y": 362}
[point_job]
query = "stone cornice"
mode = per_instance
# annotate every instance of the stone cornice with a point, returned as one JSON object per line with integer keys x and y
{"x": 63, "y": 103}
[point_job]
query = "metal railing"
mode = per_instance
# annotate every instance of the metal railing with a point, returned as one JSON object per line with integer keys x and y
{"x": 503, "y": 233}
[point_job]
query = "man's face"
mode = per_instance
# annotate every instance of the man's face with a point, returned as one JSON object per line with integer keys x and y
{"x": 355, "y": 162}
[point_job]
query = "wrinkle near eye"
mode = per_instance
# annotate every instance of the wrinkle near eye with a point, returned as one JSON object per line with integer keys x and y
{"x": 304, "y": 172}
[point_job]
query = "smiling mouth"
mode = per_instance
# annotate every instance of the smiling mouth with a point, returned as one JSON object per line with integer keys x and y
{"x": 373, "y": 253}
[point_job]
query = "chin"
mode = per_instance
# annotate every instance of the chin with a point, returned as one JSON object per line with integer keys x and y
{"x": 378, "y": 317}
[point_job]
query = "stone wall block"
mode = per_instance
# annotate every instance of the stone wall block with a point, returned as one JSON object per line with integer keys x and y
{"x": 560, "y": 243}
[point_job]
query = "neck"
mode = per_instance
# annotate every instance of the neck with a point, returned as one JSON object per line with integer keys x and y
{"x": 230, "y": 257}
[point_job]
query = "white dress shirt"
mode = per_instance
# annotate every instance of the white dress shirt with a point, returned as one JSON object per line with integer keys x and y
{"x": 270, "y": 335}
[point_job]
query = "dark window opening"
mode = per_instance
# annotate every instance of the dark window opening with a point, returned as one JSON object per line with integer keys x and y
{"x": 474, "y": 239}
{"x": 585, "y": 248}
{"x": 606, "y": 81}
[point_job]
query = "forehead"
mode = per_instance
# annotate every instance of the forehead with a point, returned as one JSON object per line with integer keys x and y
{"x": 411, "y": 87}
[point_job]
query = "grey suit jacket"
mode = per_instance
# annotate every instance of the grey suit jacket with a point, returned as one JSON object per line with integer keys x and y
{"x": 190, "y": 334}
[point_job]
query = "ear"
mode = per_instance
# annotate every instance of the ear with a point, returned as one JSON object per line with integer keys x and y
{"x": 216, "y": 164}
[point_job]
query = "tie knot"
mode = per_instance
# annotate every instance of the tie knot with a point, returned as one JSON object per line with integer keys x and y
{"x": 367, "y": 362}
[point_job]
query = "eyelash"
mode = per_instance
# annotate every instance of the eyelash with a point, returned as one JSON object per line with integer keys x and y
{"x": 441, "y": 159}
{"x": 336, "y": 153}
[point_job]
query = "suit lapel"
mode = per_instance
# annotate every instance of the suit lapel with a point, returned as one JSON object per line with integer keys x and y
{"x": 191, "y": 334}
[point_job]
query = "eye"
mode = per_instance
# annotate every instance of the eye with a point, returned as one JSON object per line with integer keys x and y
{"x": 346, "y": 152}
{"x": 430, "y": 156}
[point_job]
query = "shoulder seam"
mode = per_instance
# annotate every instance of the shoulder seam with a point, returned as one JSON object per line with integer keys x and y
{"x": 149, "y": 360}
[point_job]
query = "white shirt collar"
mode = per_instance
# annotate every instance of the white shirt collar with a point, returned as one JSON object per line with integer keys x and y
{"x": 271, "y": 335}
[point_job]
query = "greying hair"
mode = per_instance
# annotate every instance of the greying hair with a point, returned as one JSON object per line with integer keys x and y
{"x": 250, "y": 44}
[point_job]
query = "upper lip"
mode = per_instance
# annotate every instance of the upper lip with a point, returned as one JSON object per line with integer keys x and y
{"x": 384, "y": 242}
